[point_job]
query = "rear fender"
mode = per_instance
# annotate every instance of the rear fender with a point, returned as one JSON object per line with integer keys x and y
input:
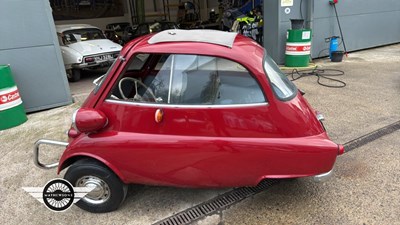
{"x": 70, "y": 56}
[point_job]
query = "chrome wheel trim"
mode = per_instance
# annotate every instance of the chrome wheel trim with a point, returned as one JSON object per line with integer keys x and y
{"x": 101, "y": 192}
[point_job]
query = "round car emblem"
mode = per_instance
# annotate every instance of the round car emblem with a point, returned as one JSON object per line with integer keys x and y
{"x": 58, "y": 195}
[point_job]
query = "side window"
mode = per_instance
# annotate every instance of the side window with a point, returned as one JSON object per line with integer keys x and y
{"x": 186, "y": 80}
{"x": 208, "y": 80}
{"x": 138, "y": 62}
{"x": 145, "y": 79}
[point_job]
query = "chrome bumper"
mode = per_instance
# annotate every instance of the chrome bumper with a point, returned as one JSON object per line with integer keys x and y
{"x": 103, "y": 63}
{"x": 323, "y": 176}
{"x": 36, "y": 152}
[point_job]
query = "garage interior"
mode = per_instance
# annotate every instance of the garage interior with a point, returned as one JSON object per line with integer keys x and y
{"x": 363, "y": 116}
{"x": 362, "y": 23}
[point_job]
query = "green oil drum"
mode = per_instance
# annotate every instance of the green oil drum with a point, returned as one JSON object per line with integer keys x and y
{"x": 298, "y": 47}
{"x": 12, "y": 112}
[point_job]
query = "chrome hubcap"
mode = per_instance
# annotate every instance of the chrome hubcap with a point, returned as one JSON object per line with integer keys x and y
{"x": 100, "y": 193}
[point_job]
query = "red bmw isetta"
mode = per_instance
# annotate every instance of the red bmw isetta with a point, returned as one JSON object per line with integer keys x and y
{"x": 195, "y": 108}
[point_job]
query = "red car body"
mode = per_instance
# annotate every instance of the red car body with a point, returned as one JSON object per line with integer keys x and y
{"x": 200, "y": 145}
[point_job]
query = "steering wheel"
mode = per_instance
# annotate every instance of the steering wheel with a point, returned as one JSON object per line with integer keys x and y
{"x": 137, "y": 82}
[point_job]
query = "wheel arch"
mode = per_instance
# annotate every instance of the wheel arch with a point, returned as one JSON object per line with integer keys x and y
{"x": 73, "y": 159}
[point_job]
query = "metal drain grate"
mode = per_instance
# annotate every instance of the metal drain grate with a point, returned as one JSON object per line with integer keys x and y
{"x": 358, "y": 142}
{"x": 216, "y": 204}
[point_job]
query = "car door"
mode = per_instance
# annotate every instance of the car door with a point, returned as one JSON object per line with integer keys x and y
{"x": 189, "y": 120}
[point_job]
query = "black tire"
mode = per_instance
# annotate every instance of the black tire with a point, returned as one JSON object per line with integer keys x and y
{"x": 74, "y": 75}
{"x": 111, "y": 191}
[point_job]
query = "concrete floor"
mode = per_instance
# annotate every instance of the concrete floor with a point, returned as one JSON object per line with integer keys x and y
{"x": 364, "y": 190}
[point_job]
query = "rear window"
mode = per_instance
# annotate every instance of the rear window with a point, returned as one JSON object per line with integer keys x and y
{"x": 283, "y": 88}
{"x": 73, "y": 36}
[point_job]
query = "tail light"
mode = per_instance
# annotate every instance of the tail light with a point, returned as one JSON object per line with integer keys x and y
{"x": 86, "y": 120}
{"x": 89, "y": 59}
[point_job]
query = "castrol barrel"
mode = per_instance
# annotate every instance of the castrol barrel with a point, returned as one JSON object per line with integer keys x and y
{"x": 12, "y": 112}
{"x": 298, "y": 47}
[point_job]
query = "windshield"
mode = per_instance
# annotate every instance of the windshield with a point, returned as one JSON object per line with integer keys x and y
{"x": 117, "y": 26}
{"x": 99, "y": 81}
{"x": 157, "y": 27}
{"x": 283, "y": 88}
{"x": 73, "y": 36}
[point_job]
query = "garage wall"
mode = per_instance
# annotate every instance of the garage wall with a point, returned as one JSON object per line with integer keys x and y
{"x": 29, "y": 44}
{"x": 365, "y": 24}
{"x": 205, "y": 7}
{"x": 100, "y": 23}
{"x": 154, "y": 11}
{"x": 103, "y": 21}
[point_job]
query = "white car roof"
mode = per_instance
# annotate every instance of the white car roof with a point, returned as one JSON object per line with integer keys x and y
{"x": 62, "y": 28}
{"x": 206, "y": 36}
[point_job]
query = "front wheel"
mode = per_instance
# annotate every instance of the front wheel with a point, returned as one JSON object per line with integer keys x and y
{"x": 109, "y": 191}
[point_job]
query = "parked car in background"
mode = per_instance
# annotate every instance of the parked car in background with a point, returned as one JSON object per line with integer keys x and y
{"x": 128, "y": 33}
{"x": 113, "y": 36}
{"x": 85, "y": 47}
{"x": 131, "y": 33}
{"x": 118, "y": 27}
{"x": 191, "y": 108}
{"x": 114, "y": 31}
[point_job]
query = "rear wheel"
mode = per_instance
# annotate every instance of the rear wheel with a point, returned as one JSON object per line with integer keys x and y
{"x": 74, "y": 75}
{"x": 109, "y": 191}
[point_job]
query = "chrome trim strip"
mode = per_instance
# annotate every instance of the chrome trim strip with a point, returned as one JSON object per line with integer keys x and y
{"x": 323, "y": 177}
{"x": 74, "y": 120}
{"x": 36, "y": 152}
{"x": 170, "y": 78}
{"x": 154, "y": 105}
{"x": 320, "y": 117}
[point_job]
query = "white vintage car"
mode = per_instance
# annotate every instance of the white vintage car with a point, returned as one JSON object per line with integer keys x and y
{"x": 85, "y": 47}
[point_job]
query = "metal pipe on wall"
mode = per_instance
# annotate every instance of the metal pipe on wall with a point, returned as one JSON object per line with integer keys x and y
{"x": 130, "y": 13}
{"x": 310, "y": 14}
{"x": 134, "y": 17}
{"x": 140, "y": 11}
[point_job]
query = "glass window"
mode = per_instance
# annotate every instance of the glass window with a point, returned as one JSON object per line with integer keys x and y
{"x": 72, "y": 36}
{"x": 140, "y": 83}
{"x": 190, "y": 80}
{"x": 212, "y": 81}
{"x": 138, "y": 62}
{"x": 159, "y": 79}
{"x": 283, "y": 88}
{"x": 99, "y": 81}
